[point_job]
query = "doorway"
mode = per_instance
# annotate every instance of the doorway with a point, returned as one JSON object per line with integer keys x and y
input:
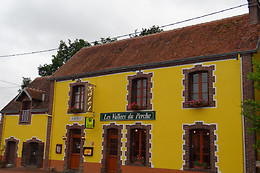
{"x": 32, "y": 153}
{"x": 112, "y": 151}
{"x": 33, "y": 147}
{"x": 11, "y": 152}
{"x": 75, "y": 136}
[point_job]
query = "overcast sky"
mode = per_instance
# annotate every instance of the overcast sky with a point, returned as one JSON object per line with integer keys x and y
{"x": 35, "y": 25}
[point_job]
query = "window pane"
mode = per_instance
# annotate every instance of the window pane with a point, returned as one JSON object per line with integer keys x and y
{"x": 195, "y": 97}
{"x": 113, "y": 146}
{"x": 204, "y": 87}
{"x": 144, "y": 92}
{"x": 138, "y": 83}
{"x": 204, "y": 77}
{"x": 144, "y": 83}
{"x": 138, "y": 92}
{"x": 138, "y": 101}
{"x": 144, "y": 101}
{"x": 76, "y": 145}
{"x": 195, "y": 88}
{"x": 195, "y": 78}
{"x": 81, "y": 105}
{"x": 205, "y": 96}
{"x": 77, "y": 98}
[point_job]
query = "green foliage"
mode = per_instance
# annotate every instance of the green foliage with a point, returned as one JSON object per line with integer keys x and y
{"x": 152, "y": 30}
{"x": 26, "y": 81}
{"x": 105, "y": 40}
{"x": 64, "y": 53}
{"x": 251, "y": 108}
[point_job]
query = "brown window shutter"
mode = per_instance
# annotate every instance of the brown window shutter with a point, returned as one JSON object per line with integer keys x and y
{"x": 24, "y": 154}
{"x": 40, "y": 155}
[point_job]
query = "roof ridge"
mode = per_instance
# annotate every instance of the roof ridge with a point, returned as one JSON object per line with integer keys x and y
{"x": 172, "y": 30}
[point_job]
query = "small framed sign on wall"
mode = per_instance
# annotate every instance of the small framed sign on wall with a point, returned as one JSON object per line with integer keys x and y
{"x": 58, "y": 148}
{"x": 88, "y": 151}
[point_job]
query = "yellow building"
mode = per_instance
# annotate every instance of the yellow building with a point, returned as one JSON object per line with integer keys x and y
{"x": 167, "y": 102}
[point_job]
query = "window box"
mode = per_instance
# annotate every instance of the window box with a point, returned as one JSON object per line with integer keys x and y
{"x": 197, "y": 103}
{"x": 133, "y": 106}
{"x": 74, "y": 110}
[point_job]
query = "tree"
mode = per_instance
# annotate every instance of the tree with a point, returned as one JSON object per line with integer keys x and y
{"x": 152, "y": 30}
{"x": 26, "y": 81}
{"x": 105, "y": 40}
{"x": 64, "y": 53}
{"x": 251, "y": 107}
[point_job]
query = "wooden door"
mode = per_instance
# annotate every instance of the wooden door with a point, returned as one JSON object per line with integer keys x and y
{"x": 112, "y": 154}
{"x": 10, "y": 153}
{"x": 75, "y": 148}
{"x": 33, "y": 153}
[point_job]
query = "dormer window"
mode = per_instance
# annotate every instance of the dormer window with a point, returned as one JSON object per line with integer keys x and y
{"x": 25, "y": 113}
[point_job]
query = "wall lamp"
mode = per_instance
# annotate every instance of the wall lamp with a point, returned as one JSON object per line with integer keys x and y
{"x": 83, "y": 138}
{"x": 64, "y": 138}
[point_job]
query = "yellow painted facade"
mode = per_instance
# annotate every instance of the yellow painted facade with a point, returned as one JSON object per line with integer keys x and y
{"x": 37, "y": 129}
{"x": 110, "y": 95}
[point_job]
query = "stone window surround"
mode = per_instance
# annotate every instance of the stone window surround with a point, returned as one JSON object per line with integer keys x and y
{"x": 148, "y": 143}
{"x": 12, "y": 139}
{"x": 105, "y": 142}
{"x": 72, "y": 85}
{"x": 213, "y": 146}
{"x": 140, "y": 74}
{"x": 211, "y": 80}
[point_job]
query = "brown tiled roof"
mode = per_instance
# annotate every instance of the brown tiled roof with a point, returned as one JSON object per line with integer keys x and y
{"x": 233, "y": 34}
{"x": 35, "y": 89}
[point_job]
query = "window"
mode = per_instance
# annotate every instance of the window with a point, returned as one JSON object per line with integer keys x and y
{"x": 198, "y": 86}
{"x": 200, "y": 147}
{"x": 139, "y": 91}
{"x": 77, "y": 97}
{"x": 138, "y": 144}
{"x": 25, "y": 114}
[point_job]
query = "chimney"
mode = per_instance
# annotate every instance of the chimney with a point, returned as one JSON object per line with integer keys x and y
{"x": 254, "y": 11}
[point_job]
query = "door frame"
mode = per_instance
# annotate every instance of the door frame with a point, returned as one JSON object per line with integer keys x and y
{"x": 11, "y": 139}
{"x": 105, "y": 146}
{"x": 68, "y": 146}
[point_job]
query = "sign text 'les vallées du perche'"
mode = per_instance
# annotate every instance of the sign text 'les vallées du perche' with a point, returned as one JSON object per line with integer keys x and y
{"x": 123, "y": 116}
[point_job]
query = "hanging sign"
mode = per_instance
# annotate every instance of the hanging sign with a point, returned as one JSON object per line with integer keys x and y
{"x": 90, "y": 90}
{"x": 123, "y": 116}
